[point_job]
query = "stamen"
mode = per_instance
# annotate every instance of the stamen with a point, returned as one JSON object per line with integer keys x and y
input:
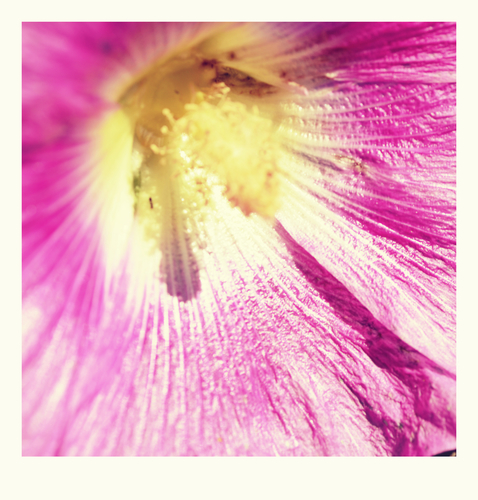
{"x": 237, "y": 146}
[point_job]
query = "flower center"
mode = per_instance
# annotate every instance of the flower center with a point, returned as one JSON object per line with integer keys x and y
{"x": 190, "y": 133}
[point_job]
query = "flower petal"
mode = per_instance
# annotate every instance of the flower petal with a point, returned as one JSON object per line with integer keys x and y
{"x": 311, "y": 54}
{"x": 381, "y": 205}
{"x": 258, "y": 364}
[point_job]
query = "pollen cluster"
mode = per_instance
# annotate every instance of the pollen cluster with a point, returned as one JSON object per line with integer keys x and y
{"x": 183, "y": 115}
{"x": 233, "y": 144}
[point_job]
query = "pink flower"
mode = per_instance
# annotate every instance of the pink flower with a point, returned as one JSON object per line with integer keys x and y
{"x": 284, "y": 283}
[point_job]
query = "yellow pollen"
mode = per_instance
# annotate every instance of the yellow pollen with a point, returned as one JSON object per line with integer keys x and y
{"x": 234, "y": 144}
{"x": 183, "y": 115}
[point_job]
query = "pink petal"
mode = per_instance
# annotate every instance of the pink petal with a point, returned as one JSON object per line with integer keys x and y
{"x": 381, "y": 212}
{"x": 260, "y": 363}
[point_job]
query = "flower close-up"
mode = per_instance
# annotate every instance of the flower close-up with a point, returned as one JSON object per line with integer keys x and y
{"x": 239, "y": 239}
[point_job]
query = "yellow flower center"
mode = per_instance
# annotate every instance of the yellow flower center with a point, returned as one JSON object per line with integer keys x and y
{"x": 186, "y": 125}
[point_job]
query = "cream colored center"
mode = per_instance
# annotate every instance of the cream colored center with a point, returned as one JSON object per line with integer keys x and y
{"x": 188, "y": 127}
